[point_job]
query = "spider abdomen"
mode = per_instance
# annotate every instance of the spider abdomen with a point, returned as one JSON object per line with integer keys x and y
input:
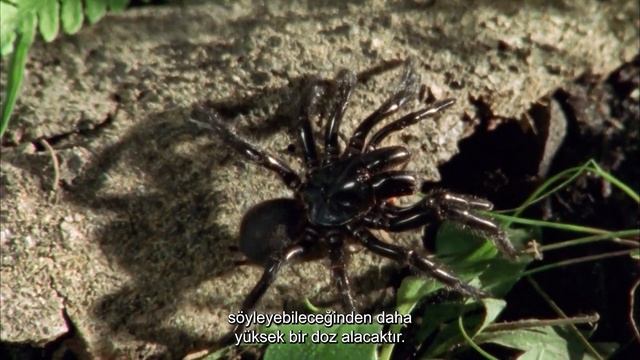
{"x": 268, "y": 227}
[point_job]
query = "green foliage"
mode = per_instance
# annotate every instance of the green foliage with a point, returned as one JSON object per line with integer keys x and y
{"x": 544, "y": 342}
{"x": 320, "y": 351}
{"x": 18, "y": 22}
{"x": 473, "y": 259}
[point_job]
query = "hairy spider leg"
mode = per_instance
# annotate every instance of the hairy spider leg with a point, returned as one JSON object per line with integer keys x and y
{"x": 310, "y": 96}
{"x": 488, "y": 227}
{"x": 410, "y": 257}
{"x": 260, "y": 157}
{"x": 338, "y": 259}
{"x": 346, "y": 81}
{"x": 406, "y": 121}
{"x": 406, "y": 91}
{"x": 438, "y": 206}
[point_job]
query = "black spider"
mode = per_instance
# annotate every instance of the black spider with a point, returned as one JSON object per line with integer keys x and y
{"x": 343, "y": 194}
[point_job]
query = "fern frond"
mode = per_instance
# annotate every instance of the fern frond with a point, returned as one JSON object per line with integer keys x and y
{"x": 20, "y": 18}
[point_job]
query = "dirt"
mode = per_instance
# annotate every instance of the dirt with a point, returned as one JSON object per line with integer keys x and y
{"x": 124, "y": 251}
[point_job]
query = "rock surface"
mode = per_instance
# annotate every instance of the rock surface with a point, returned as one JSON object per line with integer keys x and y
{"x": 134, "y": 245}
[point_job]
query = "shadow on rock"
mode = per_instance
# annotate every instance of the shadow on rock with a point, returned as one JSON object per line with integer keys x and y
{"x": 155, "y": 188}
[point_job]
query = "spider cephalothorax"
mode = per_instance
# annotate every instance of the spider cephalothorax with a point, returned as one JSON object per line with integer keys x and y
{"x": 345, "y": 193}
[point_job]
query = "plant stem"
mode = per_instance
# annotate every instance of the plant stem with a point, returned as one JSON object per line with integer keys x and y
{"x": 632, "y": 300}
{"x": 616, "y": 182}
{"x": 549, "y": 224}
{"x": 471, "y": 343}
{"x": 561, "y": 313}
{"x": 531, "y": 323}
{"x": 577, "y": 261}
{"x": 614, "y": 236}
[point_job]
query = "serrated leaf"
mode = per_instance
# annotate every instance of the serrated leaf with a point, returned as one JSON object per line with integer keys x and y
{"x": 49, "y": 20}
{"x": 310, "y": 350}
{"x": 71, "y": 16}
{"x": 95, "y": 9}
{"x": 118, "y": 5}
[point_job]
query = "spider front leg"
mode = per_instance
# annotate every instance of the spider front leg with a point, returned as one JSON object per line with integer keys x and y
{"x": 260, "y": 157}
{"x": 410, "y": 257}
{"x": 406, "y": 91}
{"x": 310, "y": 96}
{"x": 338, "y": 259}
{"x": 438, "y": 206}
{"x": 345, "y": 83}
{"x": 406, "y": 121}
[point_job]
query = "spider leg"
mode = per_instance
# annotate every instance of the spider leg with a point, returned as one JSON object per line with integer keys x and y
{"x": 406, "y": 91}
{"x": 338, "y": 260}
{"x": 385, "y": 158}
{"x": 406, "y": 121}
{"x": 269, "y": 275}
{"x": 438, "y": 206}
{"x": 391, "y": 184}
{"x": 407, "y": 256}
{"x": 310, "y": 96}
{"x": 260, "y": 157}
{"x": 345, "y": 83}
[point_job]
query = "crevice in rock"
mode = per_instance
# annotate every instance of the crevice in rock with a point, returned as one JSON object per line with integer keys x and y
{"x": 496, "y": 161}
{"x": 56, "y": 140}
{"x": 70, "y": 345}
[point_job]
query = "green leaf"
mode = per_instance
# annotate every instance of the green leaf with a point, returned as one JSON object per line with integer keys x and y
{"x": 451, "y": 240}
{"x": 448, "y": 336}
{"x": 538, "y": 343}
{"x": 49, "y": 20}
{"x": 218, "y": 354}
{"x": 7, "y": 44}
{"x": 8, "y": 25}
{"x": 481, "y": 259}
{"x": 492, "y": 308}
{"x": 118, "y": 5}
{"x": 473, "y": 259}
{"x": 71, "y": 15}
{"x": 437, "y": 316}
{"x": 95, "y": 9}
{"x": 413, "y": 289}
{"x": 16, "y": 68}
{"x": 311, "y": 350}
